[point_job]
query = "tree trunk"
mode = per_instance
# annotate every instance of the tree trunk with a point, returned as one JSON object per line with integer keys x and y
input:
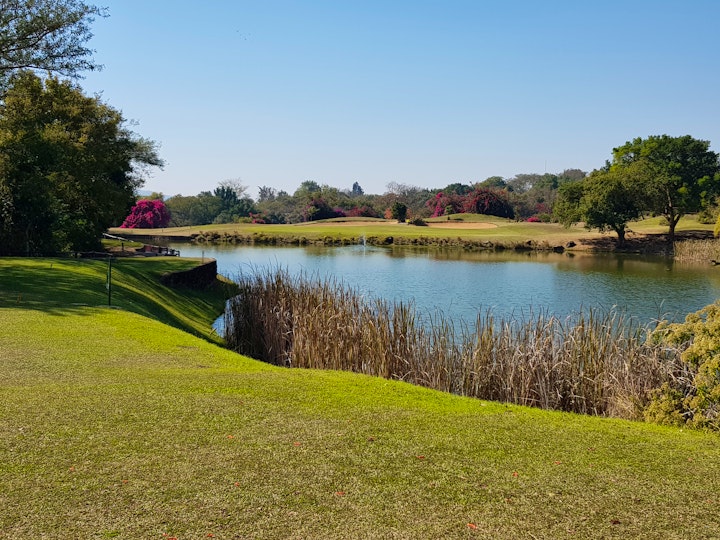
{"x": 621, "y": 236}
{"x": 673, "y": 221}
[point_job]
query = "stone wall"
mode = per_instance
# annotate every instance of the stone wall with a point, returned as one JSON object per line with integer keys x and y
{"x": 199, "y": 277}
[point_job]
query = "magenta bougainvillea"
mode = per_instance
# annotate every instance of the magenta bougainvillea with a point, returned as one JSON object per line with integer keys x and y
{"x": 445, "y": 204}
{"x": 491, "y": 202}
{"x": 147, "y": 214}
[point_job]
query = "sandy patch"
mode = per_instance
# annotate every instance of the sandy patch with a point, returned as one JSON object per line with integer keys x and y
{"x": 463, "y": 225}
{"x": 347, "y": 223}
{"x": 435, "y": 225}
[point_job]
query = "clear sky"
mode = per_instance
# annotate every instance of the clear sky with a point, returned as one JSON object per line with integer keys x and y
{"x": 420, "y": 92}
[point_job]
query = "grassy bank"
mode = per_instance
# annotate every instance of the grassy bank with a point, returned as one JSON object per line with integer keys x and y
{"x": 468, "y": 231}
{"x": 69, "y": 285}
{"x": 116, "y": 425}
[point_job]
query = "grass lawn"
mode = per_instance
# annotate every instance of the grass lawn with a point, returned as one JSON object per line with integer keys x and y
{"x": 461, "y": 226}
{"x": 117, "y": 425}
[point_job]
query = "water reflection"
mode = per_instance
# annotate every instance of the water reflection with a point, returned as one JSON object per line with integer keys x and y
{"x": 461, "y": 283}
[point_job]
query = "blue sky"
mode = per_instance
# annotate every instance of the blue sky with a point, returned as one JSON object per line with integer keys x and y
{"x": 427, "y": 93}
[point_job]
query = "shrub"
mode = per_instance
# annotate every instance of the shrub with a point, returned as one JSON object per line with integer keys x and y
{"x": 318, "y": 209}
{"x": 147, "y": 214}
{"x": 695, "y": 396}
{"x": 362, "y": 211}
{"x": 490, "y": 202}
{"x": 399, "y": 211}
{"x": 418, "y": 222}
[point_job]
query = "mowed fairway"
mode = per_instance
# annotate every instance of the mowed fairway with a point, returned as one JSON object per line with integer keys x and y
{"x": 116, "y": 425}
{"x": 460, "y": 227}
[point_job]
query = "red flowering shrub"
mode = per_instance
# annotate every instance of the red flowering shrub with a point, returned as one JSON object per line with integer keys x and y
{"x": 443, "y": 204}
{"x": 147, "y": 214}
{"x": 361, "y": 211}
{"x": 490, "y": 202}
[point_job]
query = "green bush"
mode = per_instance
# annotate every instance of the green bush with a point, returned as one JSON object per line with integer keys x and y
{"x": 695, "y": 397}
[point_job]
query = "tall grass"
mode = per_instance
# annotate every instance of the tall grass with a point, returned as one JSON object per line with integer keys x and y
{"x": 697, "y": 250}
{"x": 593, "y": 363}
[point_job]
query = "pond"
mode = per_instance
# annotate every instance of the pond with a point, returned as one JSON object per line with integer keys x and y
{"x": 460, "y": 284}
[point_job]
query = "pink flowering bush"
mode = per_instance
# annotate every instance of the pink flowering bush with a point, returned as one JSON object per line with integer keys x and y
{"x": 445, "y": 204}
{"x": 147, "y": 214}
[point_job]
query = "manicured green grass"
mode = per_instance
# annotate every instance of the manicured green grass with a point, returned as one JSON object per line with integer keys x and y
{"x": 502, "y": 231}
{"x": 115, "y": 425}
{"x": 68, "y": 285}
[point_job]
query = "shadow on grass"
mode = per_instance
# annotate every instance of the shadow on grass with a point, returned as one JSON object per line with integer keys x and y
{"x": 70, "y": 286}
{"x": 644, "y": 242}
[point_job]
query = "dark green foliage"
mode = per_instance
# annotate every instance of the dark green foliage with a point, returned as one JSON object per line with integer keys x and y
{"x": 234, "y": 205}
{"x": 357, "y": 190}
{"x": 609, "y": 199}
{"x": 69, "y": 167}
{"x": 399, "y": 211}
{"x": 680, "y": 174}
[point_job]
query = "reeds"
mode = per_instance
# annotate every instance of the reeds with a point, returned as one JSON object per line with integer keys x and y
{"x": 697, "y": 250}
{"x": 593, "y": 363}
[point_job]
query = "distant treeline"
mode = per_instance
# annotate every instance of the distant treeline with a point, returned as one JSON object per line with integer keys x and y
{"x": 523, "y": 197}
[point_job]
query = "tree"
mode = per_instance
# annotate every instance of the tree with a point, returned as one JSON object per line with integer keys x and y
{"x": 680, "y": 174}
{"x": 567, "y": 207}
{"x": 605, "y": 200}
{"x": 69, "y": 167}
{"x": 47, "y": 36}
{"x": 230, "y": 188}
{"x": 147, "y": 214}
{"x": 266, "y": 194}
{"x": 491, "y": 202}
{"x": 200, "y": 209}
{"x": 307, "y": 190}
{"x": 610, "y": 200}
{"x": 399, "y": 211}
{"x": 497, "y": 182}
{"x": 234, "y": 204}
{"x": 318, "y": 208}
{"x": 357, "y": 191}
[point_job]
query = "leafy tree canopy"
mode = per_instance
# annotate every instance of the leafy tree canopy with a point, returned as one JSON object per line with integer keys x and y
{"x": 680, "y": 174}
{"x": 47, "y": 36}
{"x": 69, "y": 167}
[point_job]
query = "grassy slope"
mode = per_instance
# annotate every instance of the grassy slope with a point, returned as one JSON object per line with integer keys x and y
{"x": 68, "y": 285}
{"x": 506, "y": 231}
{"x": 116, "y": 425}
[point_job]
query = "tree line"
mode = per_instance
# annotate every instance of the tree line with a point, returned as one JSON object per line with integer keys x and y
{"x": 523, "y": 197}
{"x": 655, "y": 176}
{"x": 70, "y": 167}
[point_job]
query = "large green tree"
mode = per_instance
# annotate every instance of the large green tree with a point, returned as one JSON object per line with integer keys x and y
{"x": 679, "y": 174}
{"x": 48, "y": 36}
{"x": 69, "y": 167}
{"x": 605, "y": 200}
{"x": 200, "y": 209}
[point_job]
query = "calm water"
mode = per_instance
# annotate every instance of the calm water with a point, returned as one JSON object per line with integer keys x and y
{"x": 460, "y": 284}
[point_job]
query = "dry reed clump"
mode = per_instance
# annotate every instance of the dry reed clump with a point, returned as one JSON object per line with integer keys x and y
{"x": 591, "y": 363}
{"x": 697, "y": 250}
